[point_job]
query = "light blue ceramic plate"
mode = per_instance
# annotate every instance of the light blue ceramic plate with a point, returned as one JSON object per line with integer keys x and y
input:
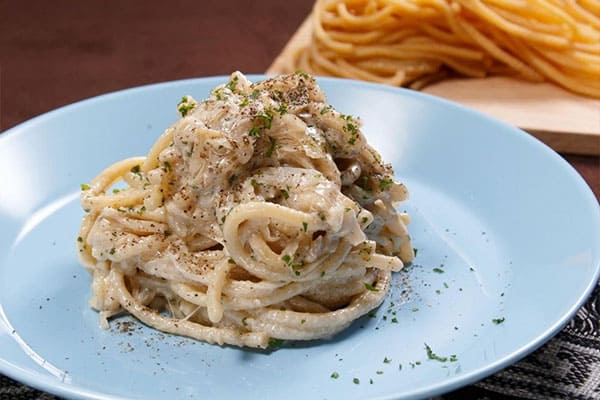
{"x": 512, "y": 226}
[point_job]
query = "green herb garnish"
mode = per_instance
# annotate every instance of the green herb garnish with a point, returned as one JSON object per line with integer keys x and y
{"x": 302, "y": 74}
{"x": 385, "y": 183}
{"x": 325, "y": 109}
{"x": 232, "y": 84}
{"x": 282, "y": 109}
{"x": 353, "y": 133}
{"x": 351, "y": 128}
{"x": 254, "y": 131}
{"x": 371, "y": 288}
{"x": 266, "y": 117}
{"x": 186, "y": 105}
{"x": 218, "y": 94}
{"x": 271, "y": 149}
{"x": 432, "y": 356}
{"x": 274, "y": 342}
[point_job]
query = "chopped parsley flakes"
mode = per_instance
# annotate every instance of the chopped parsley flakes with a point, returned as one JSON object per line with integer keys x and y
{"x": 325, "y": 109}
{"x": 282, "y": 109}
{"x": 432, "y": 356}
{"x": 274, "y": 342}
{"x": 371, "y": 288}
{"x": 232, "y": 84}
{"x": 272, "y": 145}
{"x": 267, "y": 118}
{"x": 186, "y": 105}
{"x": 351, "y": 128}
{"x": 385, "y": 183}
{"x": 254, "y": 131}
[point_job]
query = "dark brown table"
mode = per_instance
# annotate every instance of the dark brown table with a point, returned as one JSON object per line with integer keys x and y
{"x": 54, "y": 53}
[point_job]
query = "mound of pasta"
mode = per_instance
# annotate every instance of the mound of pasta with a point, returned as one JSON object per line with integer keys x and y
{"x": 416, "y": 42}
{"x": 261, "y": 214}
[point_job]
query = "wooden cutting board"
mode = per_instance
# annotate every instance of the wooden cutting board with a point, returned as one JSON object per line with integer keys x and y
{"x": 567, "y": 122}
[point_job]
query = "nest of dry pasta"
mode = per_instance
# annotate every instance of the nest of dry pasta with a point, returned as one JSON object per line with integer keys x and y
{"x": 415, "y": 42}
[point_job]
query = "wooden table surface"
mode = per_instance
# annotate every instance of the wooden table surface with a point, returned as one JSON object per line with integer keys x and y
{"x": 53, "y": 53}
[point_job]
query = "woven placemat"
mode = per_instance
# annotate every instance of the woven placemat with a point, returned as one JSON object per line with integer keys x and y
{"x": 565, "y": 368}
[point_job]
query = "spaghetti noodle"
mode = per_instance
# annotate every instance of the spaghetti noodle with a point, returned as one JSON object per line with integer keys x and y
{"x": 262, "y": 213}
{"x": 416, "y": 42}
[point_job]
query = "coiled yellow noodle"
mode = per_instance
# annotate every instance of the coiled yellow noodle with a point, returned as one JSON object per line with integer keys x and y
{"x": 415, "y": 42}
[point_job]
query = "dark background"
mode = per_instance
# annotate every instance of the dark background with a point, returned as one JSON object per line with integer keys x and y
{"x": 53, "y": 53}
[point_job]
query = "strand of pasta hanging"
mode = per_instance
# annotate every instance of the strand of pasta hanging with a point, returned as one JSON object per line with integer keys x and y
{"x": 261, "y": 214}
{"x": 416, "y": 42}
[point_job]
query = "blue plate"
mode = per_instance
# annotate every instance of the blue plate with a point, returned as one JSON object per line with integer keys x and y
{"x": 508, "y": 239}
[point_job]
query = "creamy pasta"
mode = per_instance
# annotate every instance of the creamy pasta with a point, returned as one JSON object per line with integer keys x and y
{"x": 261, "y": 214}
